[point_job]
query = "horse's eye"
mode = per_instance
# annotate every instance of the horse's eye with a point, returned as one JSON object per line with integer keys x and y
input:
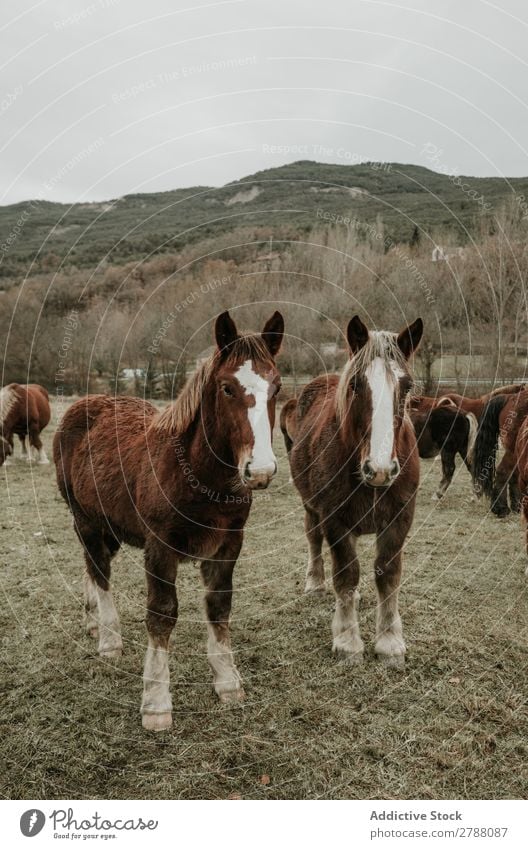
{"x": 227, "y": 390}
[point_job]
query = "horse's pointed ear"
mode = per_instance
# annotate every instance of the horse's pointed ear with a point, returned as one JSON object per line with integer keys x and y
{"x": 273, "y": 333}
{"x": 409, "y": 338}
{"x": 225, "y": 331}
{"x": 357, "y": 334}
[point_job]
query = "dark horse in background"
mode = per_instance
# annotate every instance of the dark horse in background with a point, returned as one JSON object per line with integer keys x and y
{"x": 178, "y": 484}
{"x": 355, "y": 463}
{"x": 24, "y": 411}
{"x": 502, "y": 417}
{"x": 446, "y": 431}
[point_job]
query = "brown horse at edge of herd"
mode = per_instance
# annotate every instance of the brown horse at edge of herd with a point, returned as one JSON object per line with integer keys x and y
{"x": 502, "y": 418}
{"x": 24, "y": 411}
{"x": 177, "y": 484}
{"x": 354, "y": 461}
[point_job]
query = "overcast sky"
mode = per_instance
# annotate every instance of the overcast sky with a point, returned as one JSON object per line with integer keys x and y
{"x": 102, "y": 98}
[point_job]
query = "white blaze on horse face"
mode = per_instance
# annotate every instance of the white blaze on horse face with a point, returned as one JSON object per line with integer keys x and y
{"x": 382, "y": 427}
{"x": 263, "y": 459}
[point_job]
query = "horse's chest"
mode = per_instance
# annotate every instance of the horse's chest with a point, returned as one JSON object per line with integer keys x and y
{"x": 199, "y": 533}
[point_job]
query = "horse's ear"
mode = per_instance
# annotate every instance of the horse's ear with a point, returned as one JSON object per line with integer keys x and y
{"x": 409, "y": 338}
{"x": 225, "y": 331}
{"x": 357, "y": 334}
{"x": 273, "y": 333}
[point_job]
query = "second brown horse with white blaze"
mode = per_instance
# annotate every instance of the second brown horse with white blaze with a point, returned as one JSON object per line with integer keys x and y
{"x": 178, "y": 484}
{"x": 355, "y": 464}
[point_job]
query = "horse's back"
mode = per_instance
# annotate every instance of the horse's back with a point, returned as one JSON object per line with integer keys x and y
{"x": 319, "y": 392}
{"x": 98, "y": 447}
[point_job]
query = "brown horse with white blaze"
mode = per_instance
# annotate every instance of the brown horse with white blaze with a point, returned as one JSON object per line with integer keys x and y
{"x": 355, "y": 464}
{"x": 24, "y": 411}
{"x": 177, "y": 484}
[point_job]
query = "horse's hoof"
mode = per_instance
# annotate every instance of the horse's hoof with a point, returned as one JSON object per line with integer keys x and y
{"x": 111, "y": 653}
{"x": 392, "y": 661}
{"x": 156, "y": 721}
{"x": 44, "y": 462}
{"x": 436, "y": 497}
{"x": 350, "y": 658}
{"x": 315, "y": 589}
{"x": 501, "y": 513}
{"x": 231, "y": 696}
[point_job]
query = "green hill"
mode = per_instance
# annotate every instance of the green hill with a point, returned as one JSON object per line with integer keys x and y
{"x": 289, "y": 199}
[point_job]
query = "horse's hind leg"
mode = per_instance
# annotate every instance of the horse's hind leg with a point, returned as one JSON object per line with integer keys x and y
{"x": 36, "y": 442}
{"x": 90, "y": 592}
{"x": 447, "y": 456}
{"x": 315, "y": 576}
{"x": 499, "y": 497}
{"x": 390, "y": 645}
{"x": 217, "y": 576}
{"x": 98, "y": 555}
{"x": 347, "y": 643}
{"x": 162, "y": 612}
{"x": 23, "y": 446}
{"x": 515, "y": 494}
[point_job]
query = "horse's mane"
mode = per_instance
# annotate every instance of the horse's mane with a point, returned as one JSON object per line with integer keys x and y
{"x": 8, "y": 399}
{"x": 380, "y": 343}
{"x": 179, "y": 415}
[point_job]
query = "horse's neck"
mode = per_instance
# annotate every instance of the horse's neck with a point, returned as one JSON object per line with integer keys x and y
{"x": 207, "y": 447}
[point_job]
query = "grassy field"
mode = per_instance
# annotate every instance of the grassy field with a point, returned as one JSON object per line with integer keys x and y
{"x": 454, "y": 725}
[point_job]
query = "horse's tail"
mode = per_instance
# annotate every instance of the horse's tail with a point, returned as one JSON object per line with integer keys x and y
{"x": 486, "y": 445}
{"x": 285, "y": 414}
{"x": 446, "y": 401}
{"x": 472, "y": 436}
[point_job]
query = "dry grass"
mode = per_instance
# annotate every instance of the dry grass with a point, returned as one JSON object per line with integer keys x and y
{"x": 455, "y": 724}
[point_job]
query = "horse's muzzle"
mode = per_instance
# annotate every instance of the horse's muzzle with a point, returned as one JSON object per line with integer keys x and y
{"x": 375, "y": 475}
{"x": 259, "y": 478}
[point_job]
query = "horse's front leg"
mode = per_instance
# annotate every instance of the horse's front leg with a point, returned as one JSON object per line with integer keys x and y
{"x": 315, "y": 576}
{"x": 217, "y": 576}
{"x": 347, "y": 643}
{"x": 390, "y": 645}
{"x": 162, "y": 612}
{"x": 23, "y": 446}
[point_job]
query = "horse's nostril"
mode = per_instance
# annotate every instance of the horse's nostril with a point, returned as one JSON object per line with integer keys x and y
{"x": 247, "y": 470}
{"x": 368, "y": 470}
{"x": 395, "y": 468}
